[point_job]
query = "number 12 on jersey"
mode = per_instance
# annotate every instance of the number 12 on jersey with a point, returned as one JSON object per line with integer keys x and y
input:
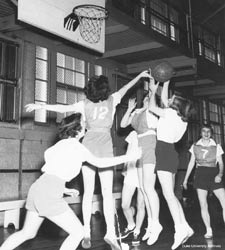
{"x": 100, "y": 112}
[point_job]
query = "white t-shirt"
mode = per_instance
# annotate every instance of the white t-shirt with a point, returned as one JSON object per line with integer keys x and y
{"x": 64, "y": 159}
{"x": 79, "y": 106}
{"x": 170, "y": 127}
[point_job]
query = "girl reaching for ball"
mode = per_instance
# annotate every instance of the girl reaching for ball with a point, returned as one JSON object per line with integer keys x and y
{"x": 171, "y": 126}
{"x": 63, "y": 162}
{"x": 144, "y": 122}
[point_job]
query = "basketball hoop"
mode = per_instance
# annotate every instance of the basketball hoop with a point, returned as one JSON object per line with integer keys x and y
{"x": 89, "y": 18}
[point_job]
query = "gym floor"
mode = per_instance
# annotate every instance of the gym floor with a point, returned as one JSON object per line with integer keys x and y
{"x": 50, "y": 237}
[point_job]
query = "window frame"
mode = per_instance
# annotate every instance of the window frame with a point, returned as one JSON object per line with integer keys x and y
{"x": 7, "y": 81}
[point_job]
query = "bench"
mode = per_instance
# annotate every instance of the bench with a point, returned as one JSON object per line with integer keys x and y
{"x": 12, "y": 208}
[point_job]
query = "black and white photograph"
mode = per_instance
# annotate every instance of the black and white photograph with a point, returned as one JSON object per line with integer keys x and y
{"x": 112, "y": 124}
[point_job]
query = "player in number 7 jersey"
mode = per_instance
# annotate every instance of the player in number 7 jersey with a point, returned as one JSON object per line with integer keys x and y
{"x": 208, "y": 177}
{"x": 98, "y": 109}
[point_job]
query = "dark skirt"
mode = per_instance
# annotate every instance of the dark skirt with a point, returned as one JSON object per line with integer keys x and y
{"x": 205, "y": 178}
{"x": 166, "y": 157}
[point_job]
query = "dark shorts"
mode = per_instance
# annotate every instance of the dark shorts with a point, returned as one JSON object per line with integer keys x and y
{"x": 166, "y": 157}
{"x": 147, "y": 144}
{"x": 204, "y": 178}
{"x": 46, "y": 196}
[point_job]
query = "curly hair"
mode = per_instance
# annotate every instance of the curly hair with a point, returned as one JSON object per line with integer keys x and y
{"x": 184, "y": 107}
{"x": 97, "y": 89}
{"x": 70, "y": 126}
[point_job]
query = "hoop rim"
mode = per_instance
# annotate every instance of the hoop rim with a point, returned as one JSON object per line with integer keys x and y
{"x": 91, "y": 6}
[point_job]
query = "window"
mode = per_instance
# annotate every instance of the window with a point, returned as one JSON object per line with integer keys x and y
{"x": 204, "y": 108}
{"x": 41, "y": 82}
{"x": 213, "y": 112}
{"x": 8, "y": 80}
{"x": 215, "y": 121}
{"x": 209, "y": 46}
{"x": 70, "y": 80}
{"x": 194, "y": 125}
{"x": 223, "y": 118}
{"x": 164, "y": 19}
{"x": 98, "y": 70}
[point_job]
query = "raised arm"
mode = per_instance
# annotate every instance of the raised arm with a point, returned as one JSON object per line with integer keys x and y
{"x": 152, "y": 103}
{"x": 126, "y": 120}
{"x": 190, "y": 167}
{"x": 165, "y": 93}
{"x": 112, "y": 161}
{"x": 76, "y": 107}
{"x": 130, "y": 84}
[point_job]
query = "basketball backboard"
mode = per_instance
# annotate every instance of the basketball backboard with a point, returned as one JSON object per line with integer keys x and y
{"x": 56, "y": 17}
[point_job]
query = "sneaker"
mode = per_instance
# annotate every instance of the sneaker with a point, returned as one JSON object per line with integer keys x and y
{"x": 126, "y": 233}
{"x": 86, "y": 243}
{"x": 136, "y": 240}
{"x": 112, "y": 241}
{"x": 154, "y": 235}
{"x": 147, "y": 233}
{"x": 179, "y": 237}
{"x": 209, "y": 233}
{"x": 190, "y": 232}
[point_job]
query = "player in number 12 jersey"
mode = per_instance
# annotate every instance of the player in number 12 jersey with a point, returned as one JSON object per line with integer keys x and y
{"x": 98, "y": 110}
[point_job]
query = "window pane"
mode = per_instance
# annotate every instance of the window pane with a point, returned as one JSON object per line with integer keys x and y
{"x": 9, "y": 96}
{"x": 80, "y": 65}
{"x": 41, "y": 69}
{"x": 61, "y": 96}
{"x": 72, "y": 97}
{"x": 69, "y": 62}
{"x": 80, "y": 80}
{"x": 98, "y": 70}
{"x": 10, "y": 61}
{"x": 60, "y": 75}
{"x": 159, "y": 25}
{"x": 41, "y": 53}
{"x": 41, "y": 91}
{"x": 60, "y": 60}
{"x": 40, "y": 115}
{"x": 159, "y": 7}
{"x": 69, "y": 78}
{"x": 80, "y": 96}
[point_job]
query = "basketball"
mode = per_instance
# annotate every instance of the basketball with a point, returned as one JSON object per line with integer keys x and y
{"x": 163, "y": 72}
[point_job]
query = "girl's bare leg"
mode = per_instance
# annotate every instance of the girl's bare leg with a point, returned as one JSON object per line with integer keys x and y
{"x": 30, "y": 228}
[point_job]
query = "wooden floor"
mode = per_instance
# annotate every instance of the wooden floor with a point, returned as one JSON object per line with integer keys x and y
{"x": 50, "y": 237}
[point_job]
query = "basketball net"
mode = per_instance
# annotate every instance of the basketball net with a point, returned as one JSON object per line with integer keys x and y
{"x": 91, "y": 18}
